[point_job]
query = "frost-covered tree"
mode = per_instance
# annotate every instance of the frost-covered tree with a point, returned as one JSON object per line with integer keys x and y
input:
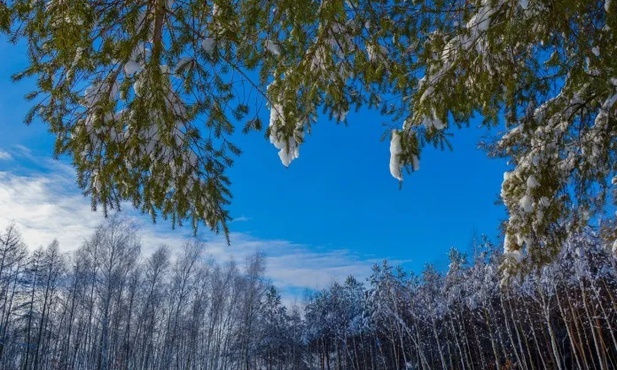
{"x": 272, "y": 330}
{"x": 546, "y": 69}
{"x": 144, "y": 95}
{"x": 104, "y": 306}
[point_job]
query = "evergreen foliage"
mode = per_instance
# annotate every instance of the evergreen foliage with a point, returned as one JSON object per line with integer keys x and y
{"x": 144, "y": 95}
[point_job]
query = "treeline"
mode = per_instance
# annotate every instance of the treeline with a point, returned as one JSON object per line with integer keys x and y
{"x": 106, "y": 307}
{"x": 562, "y": 317}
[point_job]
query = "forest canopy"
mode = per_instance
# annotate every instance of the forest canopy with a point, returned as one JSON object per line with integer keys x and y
{"x": 144, "y": 96}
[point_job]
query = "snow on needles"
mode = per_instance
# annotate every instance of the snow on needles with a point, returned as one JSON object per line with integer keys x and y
{"x": 395, "y": 152}
{"x": 272, "y": 47}
{"x": 288, "y": 149}
{"x": 208, "y": 44}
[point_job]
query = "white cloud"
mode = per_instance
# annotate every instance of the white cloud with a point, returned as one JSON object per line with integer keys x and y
{"x": 4, "y": 155}
{"x": 48, "y": 205}
{"x": 295, "y": 266}
{"x": 44, "y": 210}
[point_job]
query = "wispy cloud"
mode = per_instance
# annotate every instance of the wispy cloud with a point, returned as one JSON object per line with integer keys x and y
{"x": 45, "y": 204}
{"x": 297, "y": 266}
{"x": 44, "y": 208}
{"x": 4, "y": 155}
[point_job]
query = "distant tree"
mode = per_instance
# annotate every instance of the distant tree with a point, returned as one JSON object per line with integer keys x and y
{"x": 52, "y": 270}
{"x": 319, "y": 313}
{"x": 389, "y": 309}
{"x": 13, "y": 258}
{"x": 151, "y": 305}
{"x": 296, "y": 327}
{"x": 113, "y": 250}
{"x": 181, "y": 290}
{"x": 272, "y": 330}
{"x": 252, "y": 291}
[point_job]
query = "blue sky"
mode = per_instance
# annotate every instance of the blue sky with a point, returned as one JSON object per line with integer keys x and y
{"x": 336, "y": 208}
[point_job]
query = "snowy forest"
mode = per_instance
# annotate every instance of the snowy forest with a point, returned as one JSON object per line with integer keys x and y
{"x": 105, "y": 306}
{"x": 147, "y": 99}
